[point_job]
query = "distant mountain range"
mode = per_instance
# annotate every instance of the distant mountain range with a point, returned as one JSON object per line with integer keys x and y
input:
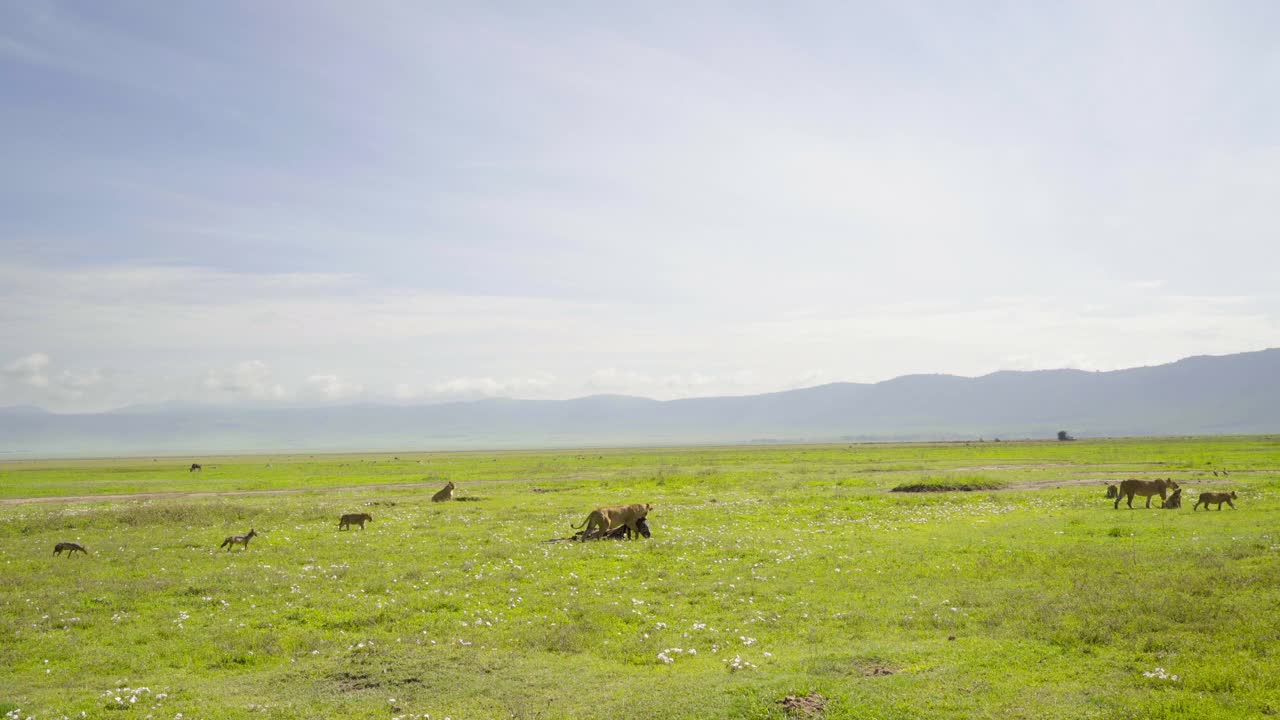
{"x": 1227, "y": 394}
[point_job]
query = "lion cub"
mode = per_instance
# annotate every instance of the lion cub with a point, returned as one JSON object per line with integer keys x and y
{"x": 350, "y": 519}
{"x": 606, "y": 518}
{"x": 445, "y": 494}
{"x": 72, "y": 548}
{"x": 239, "y": 540}
{"x": 1216, "y": 497}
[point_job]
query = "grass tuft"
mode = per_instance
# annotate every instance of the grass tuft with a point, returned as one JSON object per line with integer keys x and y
{"x": 950, "y": 484}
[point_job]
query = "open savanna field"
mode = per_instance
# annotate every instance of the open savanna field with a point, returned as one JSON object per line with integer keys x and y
{"x": 773, "y": 571}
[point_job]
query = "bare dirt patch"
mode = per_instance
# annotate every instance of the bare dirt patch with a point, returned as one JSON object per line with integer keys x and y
{"x": 960, "y": 486}
{"x": 351, "y": 681}
{"x": 1100, "y": 482}
{"x": 1047, "y": 466}
{"x": 810, "y": 705}
{"x": 1036, "y": 466}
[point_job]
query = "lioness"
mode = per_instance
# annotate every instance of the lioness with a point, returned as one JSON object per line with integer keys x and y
{"x": 235, "y": 540}
{"x": 445, "y": 494}
{"x": 1112, "y": 491}
{"x": 1216, "y": 497}
{"x": 618, "y": 533}
{"x": 607, "y": 518}
{"x": 1174, "y": 502}
{"x": 354, "y": 519}
{"x": 1134, "y": 486}
{"x": 72, "y": 548}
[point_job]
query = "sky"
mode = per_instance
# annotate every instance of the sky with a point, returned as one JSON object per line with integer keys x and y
{"x": 309, "y": 203}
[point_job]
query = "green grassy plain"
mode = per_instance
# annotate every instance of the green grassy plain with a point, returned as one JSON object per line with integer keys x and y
{"x": 772, "y": 571}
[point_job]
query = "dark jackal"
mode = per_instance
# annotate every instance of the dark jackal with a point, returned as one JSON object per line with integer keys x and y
{"x": 238, "y": 540}
{"x": 73, "y": 548}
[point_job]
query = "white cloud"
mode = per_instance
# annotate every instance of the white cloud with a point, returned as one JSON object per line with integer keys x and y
{"x": 31, "y": 369}
{"x": 473, "y": 388}
{"x": 164, "y": 308}
{"x": 333, "y": 388}
{"x": 705, "y": 202}
{"x": 614, "y": 380}
{"x": 36, "y": 379}
{"x": 248, "y": 380}
{"x": 191, "y": 346}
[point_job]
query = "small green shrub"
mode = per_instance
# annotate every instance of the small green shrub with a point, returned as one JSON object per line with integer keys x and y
{"x": 950, "y": 484}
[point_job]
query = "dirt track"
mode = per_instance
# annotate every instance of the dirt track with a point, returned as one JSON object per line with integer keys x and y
{"x": 211, "y": 493}
{"x": 1033, "y": 485}
{"x": 1038, "y": 484}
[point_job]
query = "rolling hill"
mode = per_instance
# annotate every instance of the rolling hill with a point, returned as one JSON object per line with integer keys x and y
{"x": 1230, "y": 394}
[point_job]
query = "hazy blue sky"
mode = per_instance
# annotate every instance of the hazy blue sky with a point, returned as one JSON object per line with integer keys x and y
{"x": 298, "y": 202}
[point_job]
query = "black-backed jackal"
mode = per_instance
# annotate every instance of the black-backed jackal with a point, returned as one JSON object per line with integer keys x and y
{"x": 238, "y": 540}
{"x": 73, "y": 548}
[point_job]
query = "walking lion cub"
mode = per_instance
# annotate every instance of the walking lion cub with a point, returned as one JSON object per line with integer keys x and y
{"x": 1216, "y": 497}
{"x": 346, "y": 521}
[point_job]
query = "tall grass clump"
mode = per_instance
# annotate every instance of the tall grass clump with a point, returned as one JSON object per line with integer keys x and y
{"x": 950, "y": 483}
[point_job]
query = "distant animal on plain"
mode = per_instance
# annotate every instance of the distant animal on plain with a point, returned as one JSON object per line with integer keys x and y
{"x": 1215, "y": 473}
{"x": 1147, "y": 488}
{"x": 445, "y": 494}
{"x": 1225, "y": 473}
{"x": 1112, "y": 491}
{"x": 1216, "y": 497}
{"x": 350, "y": 519}
{"x": 606, "y": 518}
{"x": 1174, "y": 502}
{"x": 195, "y": 467}
{"x": 72, "y": 548}
{"x": 239, "y": 540}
